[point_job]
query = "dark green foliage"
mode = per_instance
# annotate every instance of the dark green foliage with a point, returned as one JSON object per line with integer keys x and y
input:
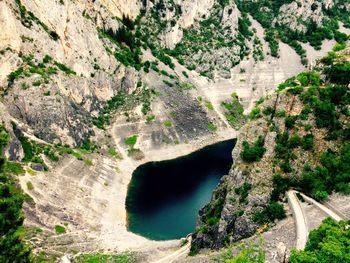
{"x": 131, "y": 141}
{"x": 304, "y": 79}
{"x": 234, "y": 111}
{"x": 44, "y": 69}
{"x": 332, "y": 174}
{"x": 307, "y": 142}
{"x": 243, "y": 192}
{"x": 265, "y": 12}
{"x": 268, "y": 111}
{"x": 243, "y": 26}
{"x": 294, "y": 142}
{"x": 255, "y": 113}
{"x": 280, "y": 185}
{"x": 271, "y": 38}
{"x": 290, "y": 121}
{"x": 253, "y": 153}
{"x": 273, "y": 211}
{"x": 59, "y": 229}
{"x": 32, "y": 150}
{"x": 286, "y": 166}
{"x": 339, "y": 73}
{"x": 340, "y": 37}
{"x": 112, "y": 105}
{"x": 12, "y": 249}
{"x": 328, "y": 243}
{"x": 129, "y": 51}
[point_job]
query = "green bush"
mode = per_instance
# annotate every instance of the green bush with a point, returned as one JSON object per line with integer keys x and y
{"x": 253, "y": 153}
{"x": 243, "y": 191}
{"x": 290, "y": 121}
{"x": 59, "y": 229}
{"x": 255, "y": 114}
{"x": 273, "y": 211}
{"x": 329, "y": 244}
{"x": 307, "y": 142}
{"x": 131, "y": 141}
{"x": 12, "y": 246}
{"x": 212, "y": 126}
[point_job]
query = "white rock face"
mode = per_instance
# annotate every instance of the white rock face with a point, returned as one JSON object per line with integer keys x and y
{"x": 193, "y": 9}
{"x": 119, "y": 8}
{"x": 290, "y": 14}
{"x": 9, "y": 36}
{"x": 190, "y": 11}
{"x": 173, "y": 36}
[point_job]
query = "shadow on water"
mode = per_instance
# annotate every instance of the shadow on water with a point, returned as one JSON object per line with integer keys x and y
{"x": 164, "y": 198}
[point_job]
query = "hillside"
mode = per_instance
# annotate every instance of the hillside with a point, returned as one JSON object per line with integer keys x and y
{"x": 296, "y": 138}
{"x": 90, "y": 90}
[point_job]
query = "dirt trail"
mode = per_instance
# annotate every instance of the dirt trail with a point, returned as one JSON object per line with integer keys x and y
{"x": 323, "y": 208}
{"x": 177, "y": 254}
{"x": 300, "y": 221}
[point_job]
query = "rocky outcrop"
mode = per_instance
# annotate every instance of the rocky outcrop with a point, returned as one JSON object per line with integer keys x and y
{"x": 297, "y": 139}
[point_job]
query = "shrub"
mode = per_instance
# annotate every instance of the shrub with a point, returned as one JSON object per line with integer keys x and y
{"x": 255, "y": 114}
{"x": 59, "y": 229}
{"x": 168, "y": 124}
{"x": 212, "y": 126}
{"x": 273, "y": 211}
{"x": 253, "y": 153}
{"x": 328, "y": 243}
{"x": 307, "y": 142}
{"x": 30, "y": 185}
{"x": 290, "y": 121}
{"x": 88, "y": 162}
{"x": 131, "y": 141}
{"x": 339, "y": 73}
{"x": 268, "y": 110}
{"x": 209, "y": 105}
{"x": 243, "y": 191}
{"x": 321, "y": 195}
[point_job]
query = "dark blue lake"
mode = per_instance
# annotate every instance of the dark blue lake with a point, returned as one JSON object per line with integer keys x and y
{"x": 164, "y": 198}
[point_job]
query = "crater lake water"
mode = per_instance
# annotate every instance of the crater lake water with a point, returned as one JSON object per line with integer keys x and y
{"x": 164, "y": 197}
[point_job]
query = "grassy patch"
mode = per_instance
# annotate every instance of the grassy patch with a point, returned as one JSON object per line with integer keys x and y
{"x": 168, "y": 124}
{"x": 131, "y": 141}
{"x": 103, "y": 258}
{"x": 114, "y": 153}
{"x": 212, "y": 126}
{"x": 88, "y": 162}
{"x": 30, "y": 185}
{"x": 208, "y": 105}
{"x": 14, "y": 168}
{"x": 60, "y": 229}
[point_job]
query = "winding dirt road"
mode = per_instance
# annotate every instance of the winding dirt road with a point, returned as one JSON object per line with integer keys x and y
{"x": 300, "y": 220}
{"x": 177, "y": 254}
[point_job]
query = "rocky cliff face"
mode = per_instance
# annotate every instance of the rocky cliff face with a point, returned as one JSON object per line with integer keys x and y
{"x": 285, "y": 144}
{"x": 64, "y": 68}
{"x": 78, "y": 73}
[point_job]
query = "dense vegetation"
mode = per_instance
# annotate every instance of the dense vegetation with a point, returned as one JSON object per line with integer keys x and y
{"x": 12, "y": 249}
{"x": 253, "y": 153}
{"x": 329, "y": 106}
{"x": 234, "y": 111}
{"x": 325, "y": 103}
{"x": 44, "y": 69}
{"x": 328, "y": 243}
{"x": 266, "y": 12}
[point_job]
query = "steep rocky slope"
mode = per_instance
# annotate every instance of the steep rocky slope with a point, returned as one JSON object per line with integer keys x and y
{"x": 77, "y": 78}
{"x": 298, "y": 137}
